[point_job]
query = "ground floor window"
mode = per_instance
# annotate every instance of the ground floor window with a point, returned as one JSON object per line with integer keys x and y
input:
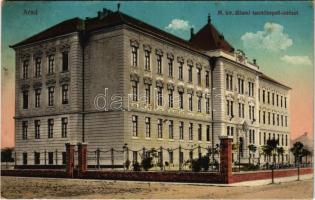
{"x": 36, "y": 158}
{"x": 50, "y": 158}
{"x": 135, "y": 156}
{"x": 64, "y": 158}
{"x": 181, "y": 157}
{"x": 24, "y": 158}
{"x": 171, "y": 158}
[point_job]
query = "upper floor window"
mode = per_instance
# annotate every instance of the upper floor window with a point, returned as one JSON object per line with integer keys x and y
{"x": 229, "y": 108}
{"x": 286, "y": 121}
{"x": 241, "y": 110}
{"x": 25, "y": 99}
{"x": 50, "y": 128}
{"x": 180, "y": 71}
{"x": 160, "y": 128}
{"x": 147, "y": 60}
{"x": 25, "y": 69}
{"x": 37, "y": 97}
{"x": 65, "y": 61}
{"x": 263, "y": 96}
{"x": 170, "y": 67}
{"x": 170, "y": 98}
{"x": 277, "y": 100}
{"x": 134, "y": 125}
{"x": 240, "y": 86}
{"x": 281, "y": 102}
{"x": 251, "y": 112}
{"x": 24, "y": 130}
{"x": 190, "y": 102}
{"x": 147, "y": 93}
{"x": 190, "y": 130}
{"x": 199, "y": 104}
{"x": 207, "y": 105}
{"x": 64, "y": 127}
{"x": 171, "y": 129}
{"x": 134, "y": 56}
{"x": 181, "y": 100}
{"x": 229, "y": 82}
{"x": 208, "y": 133}
{"x": 199, "y": 76}
{"x": 51, "y": 59}
{"x": 268, "y": 97}
{"x": 285, "y": 102}
{"x": 250, "y": 89}
{"x": 37, "y": 129}
{"x": 190, "y": 74}
{"x": 264, "y": 117}
{"x": 159, "y": 64}
{"x": 181, "y": 130}
{"x": 134, "y": 85}
{"x": 160, "y": 96}
{"x": 51, "y": 92}
{"x": 148, "y": 127}
{"x": 273, "y": 99}
{"x": 38, "y": 67}
{"x": 207, "y": 79}
{"x": 65, "y": 94}
{"x": 199, "y": 132}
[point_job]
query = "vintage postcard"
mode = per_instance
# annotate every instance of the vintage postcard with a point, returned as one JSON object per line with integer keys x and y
{"x": 157, "y": 99}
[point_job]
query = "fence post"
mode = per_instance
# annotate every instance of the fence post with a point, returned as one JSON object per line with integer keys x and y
{"x": 298, "y": 168}
{"x": 82, "y": 157}
{"x": 161, "y": 158}
{"x": 45, "y": 152}
{"x": 179, "y": 158}
{"x": 15, "y": 161}
{"x": 112, "y": 157}
{"x": 70, "y": 159}
{"x": 226, "y": 158}
{"x": 56, "y": 156}
{"x": 143, "y": 152}
{"x": 98, "y": 158}
{"x": 199, "y": 151}
{"x": 272, "y": 175}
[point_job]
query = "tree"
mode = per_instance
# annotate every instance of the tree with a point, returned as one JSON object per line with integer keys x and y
{"x": 147, "y": 160}
{"x": 252, "y": 149}
{"x": 273, "y": 145}
{"x": 297, "y": 151}
{"x": 6, "y": 155}
{"x": 280, "y": 151}
{"x": 306, "y": 153}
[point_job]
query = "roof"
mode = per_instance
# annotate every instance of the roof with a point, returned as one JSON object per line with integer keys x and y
{"x": 264, "y": 76}
{"x": 208, "y": 38}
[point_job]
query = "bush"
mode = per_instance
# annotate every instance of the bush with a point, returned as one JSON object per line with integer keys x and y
{"x": 201, "y": 163}
{"x": 195, "y": 165}
{"x": 251, "y": 167}
{"x": 147, "y": 163}
{"x": 136, "y": 167}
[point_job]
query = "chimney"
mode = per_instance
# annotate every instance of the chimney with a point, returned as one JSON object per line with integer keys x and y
{"x": 209, "y": 18}
{"x": 254, "y": 61}
{"x": 191, "y": 33}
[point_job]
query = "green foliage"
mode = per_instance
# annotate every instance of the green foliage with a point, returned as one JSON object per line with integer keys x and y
{"x": 136, "y": 167}
{"x": 251, "y": 167}
{"x": 252, "y": 148}
{"x": 6, "y": 155}
{"x": 202, "y": 163}
{"x": 147, "y": 163}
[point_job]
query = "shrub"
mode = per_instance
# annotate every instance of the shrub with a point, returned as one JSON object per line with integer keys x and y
{"x": 136, "y": 166}
{"x": 195, "y": 165}
{"x": 147, "y": 163}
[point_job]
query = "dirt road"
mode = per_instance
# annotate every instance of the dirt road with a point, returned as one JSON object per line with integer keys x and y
{"x": 18, "y": 187}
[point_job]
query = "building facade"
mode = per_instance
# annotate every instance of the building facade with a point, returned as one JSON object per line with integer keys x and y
{"x": 117, "y": 83}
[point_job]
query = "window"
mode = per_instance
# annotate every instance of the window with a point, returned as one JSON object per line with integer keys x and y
{"x": 207, "y": 79}
{"x": 50, "y": 158}
{"x": 240, "y": 86}
{"x": 147, "y": 93}
{"x": 171, "y": 157}
{"x": 64, "y": 158}
{"x": 36, "y": 158}
{"x": 258, "y": 94}
{"x": 207, "y": 105}
{"x": 278, "y": 123}
{"x": 259, "y": 138}
{"x": 51, "y": 59}
{"x": 251, "y": 112}
{"x": 281, "y": 101}
{"x": 25, "y": 69}
{"x": 268, "y": 117}
{"x": 259, "y": 116}
{"x": 24, "y": 158}
{"x": 281, "y": 120}
{"x": 250, "y": 89}
{"x": 190, "y": 102}
{"x": 208, "y": 133}
{"x": 134, "y": 85}
{"x": 51, "y": 91}
{"x": 199, "y": 104}
{"x": 64, "y": 127}
{"x": 286, "y": 121}
{"x": 180, "y": 71}
{"x": 38, "y": 67}
{"x": 286, "y": 140}
{"x": 253, "y": 136}
{"x": 65, "y": 94}
{"x": 134, "y": 56}
{"x": 273, "y": 99}
{"x": 65, "y": 61}
{"x": 170, "y": 129}
{"x": 37, "y": 129}
{"x": 147, "y": 60}
{"x": 273, "y": 119}
{"x": 170, "y": 67}
{"x": 241, "y": 110}
{"x": 199, "y": 76}
{"x": 37, "y": 98}
{"x": 181, "y": 157}
{"x": 285, "y": 102}
{"x": 181, "y": 130}
{"x": 199, "y": 132}
{"x": 277, "y": 100}
{"x": 170, "y": 98}
{"x": 159, "y": 64}
{"x": 24, "y": 130}
{"x": 282, "y": 140}
{"x": 190, "y": 78}
{"x": 268, "y": 97}
{"x": 148, "y": 127}
{"x": 134, "y": 156}
{"x": 181, "y": 100}
{"x": 191, "y": 131}
{"x": 264, "y": 117}
{"x": 264, "y": 138}
{"x": 229, "y": 130}
{"x": 135, "y": 126}
{"x": 25, "y": 99}
{"x": 229, "y": 107}
{"x": 160, "y": 96}
{"x": 50, "y": 128}
{"x": 160, "y": 128}
{"x": 229, "y": 82}
{"x": 263, "y": 96}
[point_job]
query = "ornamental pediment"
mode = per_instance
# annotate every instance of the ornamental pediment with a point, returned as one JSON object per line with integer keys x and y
{"x": 37, "y": 85}
{"x": 198, "y": 65}
{"x": 147, "y": 80}
{"x": 170, "y": 55}
{"x": 134, "y": 77}
{"x": 37, "y": 53}
{"x": 190, "y": 90}
{"x": 199, "y": 93}
{"x": 159, "y": 52}
{"x": 25, "y": 56}
{"x": 64, "y": 48}
{"x": 180, "y": 88}
{"x": 159, "y": 83}
{"x": 170, "y": 86}
{"x": 134, "y": 43}
{"x": 64, "y": 80}
{"x": 51, "y": 82}
{"x": 190, "y": 62}
{"x": 180, "y": 59}
{"x": 147, "y": 47}
{"x": 25, "y": 87}
{"x": 51, "y": 51}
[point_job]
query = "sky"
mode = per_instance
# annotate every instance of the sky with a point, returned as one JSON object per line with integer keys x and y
{"x": 281, "y": 44}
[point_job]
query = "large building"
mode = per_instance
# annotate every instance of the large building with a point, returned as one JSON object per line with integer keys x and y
{"x": 114, "y": 81}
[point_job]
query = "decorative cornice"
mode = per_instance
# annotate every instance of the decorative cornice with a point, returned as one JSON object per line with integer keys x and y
{"x": 147, "y": 47}
{"x": 50, "y": 82}
{"x": 180, "y": 59}
{"x": 170, "y": 86}
{"x": 134, "y": 43}
{"x": 51, "y": 51}
{"x": 180, "y": 88}
{"x": 159, "y": 83}
{"x": 159, "y": 52}
{"x": 170, "y": 55}
{"x": 134, "y": 77}
{"x": 147, "y": 80}
{"x": 64, "y": 48}
{"x": 37, "y": 85}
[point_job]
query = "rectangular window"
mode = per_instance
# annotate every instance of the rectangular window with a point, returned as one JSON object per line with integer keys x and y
{"x": 25, "y": 69}
{"x": 273, "y": 99}
{"x": 229, "y": 107}
{"x": 277, "y": 100}
{"x": 171, "y": 129}
{"x": 190, "y": 102}
{"x": 199, "y": 76}
{"x": 50, "y": 158}
{"x": 191, "y": 136}
{"x": 181, "y": 100}
{"x": 134, "y": 125}
{"x": 281, "y": 101}
{"x": 263, "y": 96}
{"x": 51, "y": 59}
{"x": 278, "y": 120}
{"x": 134, "y": 156}
{"x": 268, "y": 117}
{"x": 207, "y": 105}
{"x": 24, "y": 130}
{"x": 65, "y": 61}
{"x": 50, "y": 128}
{"x": 160, "y": 96}
{"x": 64, "y": 127}
{"x": 282, "y": 140}
{"x": 207, "y": 79}
{"x": 285, "y": 102}
{"x": 148, "y": 127}
{"x": 65, "y": 94}
{"x": 190, "y": 79}
{"x": 25, "y": 99}
{"x": 259, "y": 138}
{"x": 171, "y": 157}
{"x": 38, "y": 67}
{"x": 51, "y": 91}
{"x": 281, "y": 120}
{"x": 286, "y": 121}
{"x": 273, "y": 119}
{"x": 199, "y": 104}
{"x": 24, "y": 158}
{"x": 159, "y": 64}
{"x": 264, "y": 117}
{"x": 147, "y": 93}
{"x": 36, "y": 158}
{"x": 37, "y": 129}
{"x": 286, "y": 140}
{"x": 264, "y": 138}
{"x": 37, "y": 97}
{"x": 250, "y": 89}
{"x": 160, "y": 128}
{"x": 181, "y": 157}
{"x": 64, "y": 158}
{"x": 240, "y": 86}
{"x": 181, "y": 130}
{"x": 170, "y": 67}
{"x": 134, "y": 90}
{"x": 170, "y": 98}
{"x": 208, "y": 133}
{"x": 268, "y": 97}
{"x": 147, "y": 60}
{"x": 134, "y": 55}
{"x": 180, "y": 71}
{"x": 199, "y": 132}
